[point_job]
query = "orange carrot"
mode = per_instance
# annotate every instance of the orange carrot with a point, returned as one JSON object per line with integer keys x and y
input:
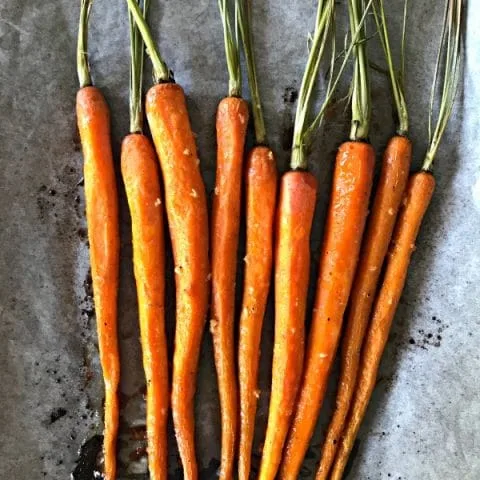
{"x": 295, "y": 211}
{"x": 141, "y": 178}
{"x": 346, "y": 216}
{"x": 418, "y": 195}
{"x": 101, "y": 201}
{"x": 261, "y": 186}
{"x": 186, "y": 207}
{"x": 417, "y": 199}
{"x": 388, "y": 197}
{"x": 389, "y": 194}
{"x": 261, "y": 191}
{"x": 232, "y": 119}
{"x": 140, "y": 175}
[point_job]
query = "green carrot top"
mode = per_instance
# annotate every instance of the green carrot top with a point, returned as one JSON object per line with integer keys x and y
{"x": 83, "y": 70}
{"x": 449, "y": 69}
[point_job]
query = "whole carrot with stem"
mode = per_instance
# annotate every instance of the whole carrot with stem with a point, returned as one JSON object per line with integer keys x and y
{"x": 346, "y": 215}
{"x": 261, "y": 191}
{"x": 231, "y": 125}
{"x": 295, "y": 210}
{"x": 186, "y": 207}
{"x": 93, "y": 119}
{"x": 388, "y": 197}
{"x": 417, "y": 199}
{"x": 142, "y": 184}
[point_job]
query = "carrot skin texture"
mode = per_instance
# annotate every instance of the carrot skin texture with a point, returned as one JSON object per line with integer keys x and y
{"x": 103, "y": 234}
{"x": 231, "y": 124}
{"x": 261, "y": 193}
{"x": 292, "y": 267}
{"x": 352, "y": 183}
{"x": 186, "y": 207}
{"x": 140, "y": 175}
{"x": 417, "y": 199}
{"x": 380, "y": 224}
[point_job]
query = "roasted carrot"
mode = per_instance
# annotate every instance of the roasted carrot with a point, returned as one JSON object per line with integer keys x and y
{"x": 346, "y": 215}
{"x": 141, "y": 178}
{"x": 389, "y": 194}
{"x": 231, "y": 125}
{"x": 295, "y": 210}
{"x": 186, "y": 207}
{"x": 417, "y": 199}
{"x": 260, "y": 190}
{"x": 93, "y": 119}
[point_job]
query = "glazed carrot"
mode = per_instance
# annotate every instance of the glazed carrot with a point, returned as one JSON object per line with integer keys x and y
{"x": 417, "y": 199}
{"x": 388, "y": 196}
{"x": 186, "y": 207}
{"x": 260, "y": 190}
{"x": 140, "y": 176}
{"x": 231, "y": 125}
{"x": 346, "y": 215}
{"x": 93, "y": 119}
{"x": 295, "y": 210}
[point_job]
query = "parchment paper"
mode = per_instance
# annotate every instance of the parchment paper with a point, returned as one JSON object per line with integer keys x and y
{"x": 424, "y": 419}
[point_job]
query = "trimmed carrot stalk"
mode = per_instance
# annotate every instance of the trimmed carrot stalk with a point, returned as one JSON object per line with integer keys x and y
{"x": 103, "y": 234}
{"x": 232, "y": 121}
{"x": 352, "y": 182}
{"x": 261, "y": 191}
{"x": 186, "y": 207}
{"x": 381, "y": 221}
{"x": 142, "y": 185}
{"x": 296, "y": 207}
{"x": 417, "y": 198}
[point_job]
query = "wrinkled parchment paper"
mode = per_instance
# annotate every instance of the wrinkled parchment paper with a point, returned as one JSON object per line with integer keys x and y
{"x": 424, "y": 419}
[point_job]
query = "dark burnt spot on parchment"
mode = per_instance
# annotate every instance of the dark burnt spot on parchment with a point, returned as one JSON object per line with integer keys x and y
{"x": 57, "y": 414}
{"x": 89, "y": 459}
{"x": 431, "y": 336}
{"x": 289, "y": 97}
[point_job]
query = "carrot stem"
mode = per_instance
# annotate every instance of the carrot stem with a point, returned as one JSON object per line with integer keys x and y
{"x": 244, "y": 16}
{"x": 161, "y": 73}
{"x": 232, "y": 52}
{"x": 136, "y": 73}
{"x": 361, "y": 98}
{"x": 83, "y": 69}
{"x": 396, "y": 79}
{"x": 323, "y": 29}
{"x": 450, "y": 57}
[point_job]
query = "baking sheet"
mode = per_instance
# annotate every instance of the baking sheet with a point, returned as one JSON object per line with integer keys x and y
{"x": 424, "y": 419}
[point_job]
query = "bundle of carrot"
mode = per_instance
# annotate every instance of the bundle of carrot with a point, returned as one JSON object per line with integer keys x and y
{"x": 417, "y": 197}
{"x": 142, "y": 185}
{"x": 261, "y": 191}
{"x": 388, "y": 197}
{"x": 296, "y": 206}
{"x": 186, "y": 207}
{"x": 346, "y": 215}
{"x": 93, "y": 119}
{"x": 231, "y": 124}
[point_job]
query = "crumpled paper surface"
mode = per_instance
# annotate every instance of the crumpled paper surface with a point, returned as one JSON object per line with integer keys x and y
{"x": 424, "y": 419}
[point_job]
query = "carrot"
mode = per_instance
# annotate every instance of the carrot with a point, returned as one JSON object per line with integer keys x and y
{"x": 347, "y": 212}
{"x": 260, "y": 189}
{"x": 186, "y": 207}
{"x": 93, "y": 119}
{"x": 417, "y": 199}
{"x": 295, "y": 210}
{"x": 142, "y": 185}
{"x": 389, "y": 194}
{"x": 231, "y": 124}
